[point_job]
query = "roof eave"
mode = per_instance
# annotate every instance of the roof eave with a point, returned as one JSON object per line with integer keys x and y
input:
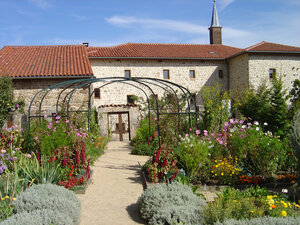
{"x": 275, "y": 52}
{"x": 52, "y": 77}
{"x": 158, "y": 58}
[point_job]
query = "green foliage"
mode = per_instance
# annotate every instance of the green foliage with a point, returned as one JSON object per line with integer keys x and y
{"x": 164, "y": 166}
{"x": 38, "y": 217}
{"x": 278, "y": 114}
{"x": 49, "y": 197}
{"x": 216, "y": 107}
{"x": 6, "y": 98}
{"x": 294, "y": 96}
{"x": 32, "y": 169}
{"x": 262, "y": 221}
{"x": 295, "y": 138}
{"x": 247, "y": 204}
{"x": 169, "y": 204}
{"x": 193, "y": 154}
{"x": 266, "y": 105}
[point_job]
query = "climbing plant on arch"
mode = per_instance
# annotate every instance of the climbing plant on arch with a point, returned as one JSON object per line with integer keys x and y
{"x": 145, "y": 85}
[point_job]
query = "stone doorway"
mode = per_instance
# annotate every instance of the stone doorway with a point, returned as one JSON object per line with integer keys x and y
{"x": 119, "y": 126}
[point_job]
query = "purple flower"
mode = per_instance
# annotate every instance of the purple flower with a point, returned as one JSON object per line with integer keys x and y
{"x": 226, "y": 124}
{"x": 198, "y": 132}
{"x": 232, "y": 121}
{"x": 17, "y": 106}
{"x": 249, "y": 124}
{"x": 242, "y": 136}
{"x": 241, "y": 121}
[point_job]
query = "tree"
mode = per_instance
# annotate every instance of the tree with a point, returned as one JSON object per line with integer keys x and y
{"x": 6, "y": 99}
{"x": 294, "y": 96}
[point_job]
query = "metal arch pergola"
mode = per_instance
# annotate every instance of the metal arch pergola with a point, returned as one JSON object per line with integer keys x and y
{"x": 140, "y": 83}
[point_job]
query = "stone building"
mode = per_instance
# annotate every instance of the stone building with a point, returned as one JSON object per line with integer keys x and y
{"x": 190, "y": 65}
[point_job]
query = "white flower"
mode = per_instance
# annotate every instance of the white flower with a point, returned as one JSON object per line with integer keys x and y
{"x": 257, "y": 128}
{"x": 256, "y": 123}
{"x": 265, "y": 123}
{"x": 244, "y": 126}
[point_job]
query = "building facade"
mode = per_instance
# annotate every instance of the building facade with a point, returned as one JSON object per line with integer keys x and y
{"x": 193, "y": 66}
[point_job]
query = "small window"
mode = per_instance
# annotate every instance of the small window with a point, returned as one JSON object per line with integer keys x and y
{"x": 221, "y": 74}
{"x": 131, "y": 99}
{"x": 272, "y": 73}
{"x": 97, "y": 93}
{"x": 192, "y": 73}
{"x": 166, "y": 74}
{"x": 127, "y": 73}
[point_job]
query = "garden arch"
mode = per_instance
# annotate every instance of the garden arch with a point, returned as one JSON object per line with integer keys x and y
{"x": 141, "y": 83}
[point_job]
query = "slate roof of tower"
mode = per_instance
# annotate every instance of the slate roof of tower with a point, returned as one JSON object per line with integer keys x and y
{"x": 215, "y": 18}
{"x": 163, "y": 51}
{"x": 45, "y": 61}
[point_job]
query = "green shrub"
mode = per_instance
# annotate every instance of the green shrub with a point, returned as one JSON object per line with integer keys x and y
{"x": 193, "y": 154}
{"x": 295, "y": 138}
{"x": 49, "y": 197}
{"x": 163, "y": 203}
{"x": 38, "y": 217}
{"x": 263, "y": 221}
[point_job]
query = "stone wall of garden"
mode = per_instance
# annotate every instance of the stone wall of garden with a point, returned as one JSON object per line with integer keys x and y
{"x": 287, "y": 66}
{"x": 206, "y": 73}
{"x": 27, "y": 88}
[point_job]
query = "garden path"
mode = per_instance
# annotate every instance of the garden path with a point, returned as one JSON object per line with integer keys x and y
{"x": 110, "y": 198}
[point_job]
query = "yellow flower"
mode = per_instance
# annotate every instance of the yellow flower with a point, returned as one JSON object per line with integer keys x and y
{"x": 274, "y": 196}
{"x": 252, "y": 211}
{"x": 212, "y": 171}
{"x": 234, "y": 200}
{"x": 14, "y": 199}
{"x": 216, "y": 174}
{"x": 283, "y": 213}
{"x": 7, "y": 197}
{"x": 222, "y": 174}
{"x": 2, "y": 199}
{"x": 269, "y": 197}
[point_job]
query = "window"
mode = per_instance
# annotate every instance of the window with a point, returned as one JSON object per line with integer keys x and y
{"x": 166, "y": 74}
{"x": 272, "y": 73}
{"x": 97, "y": 93}
{"x": 127, "y": 73}
{"x": 131, "y": 99}
{"x": 192, "y": 73}
{"x": 221, "y": 74}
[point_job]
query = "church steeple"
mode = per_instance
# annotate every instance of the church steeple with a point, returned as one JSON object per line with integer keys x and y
{"x": 215, "y": 30}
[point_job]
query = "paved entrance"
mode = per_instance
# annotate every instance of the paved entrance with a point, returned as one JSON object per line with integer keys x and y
{"x": 116, "y": 185}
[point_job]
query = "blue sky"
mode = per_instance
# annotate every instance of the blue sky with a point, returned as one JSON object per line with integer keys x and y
{"x": 111, "y": 22}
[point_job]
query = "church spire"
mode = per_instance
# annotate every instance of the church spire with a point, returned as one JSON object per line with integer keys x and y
{"x": 215, "y": 18}
{"x": 215, "y": 30}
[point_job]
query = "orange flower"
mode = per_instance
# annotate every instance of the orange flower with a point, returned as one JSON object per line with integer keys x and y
{"x": 273, "y": 206}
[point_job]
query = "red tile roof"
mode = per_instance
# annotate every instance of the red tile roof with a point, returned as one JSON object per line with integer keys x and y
{"x": 45, "y": 61}
{"x": 272, "y": 47}
{"x": 161, "y": 51}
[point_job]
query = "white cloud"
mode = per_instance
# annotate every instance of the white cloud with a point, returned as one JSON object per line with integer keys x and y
{"x": 40, "y": 3}
{"x": 173, "y": 25}
{"x": 224, "y": 3}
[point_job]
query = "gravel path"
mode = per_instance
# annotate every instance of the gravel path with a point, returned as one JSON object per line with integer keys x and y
{"x": 116, "y": 184}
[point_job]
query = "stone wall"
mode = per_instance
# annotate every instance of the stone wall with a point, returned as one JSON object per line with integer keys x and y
{"x": 206, "y": 73}
{"x": 287, "y": 66}
{"x": 238, "y": 73}
{"x": 27, "y": 88}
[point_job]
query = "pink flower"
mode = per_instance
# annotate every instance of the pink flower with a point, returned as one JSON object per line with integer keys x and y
{"x": 219, "y": 140}
{"x": 249, "y": 124}
{"x": 3, "y": 151}
{"x": 226, "y": 124}
{"x": 205, "y": 132}
{"x": 212, "y": 135}
{"x": 57, "y": 118}
{"x": 190, "y": 129}
{"x": 78, "y": 134}
{"x": 57, "y": 121}
{"x": 54, "y": 129}
{"x": 242, "y": 136}
{"x": 45, "y": 116}
{"x": 232, "y": 121}
{"x": 28, "y": 155}
{"x": 198, "y": 132}
{"x": 36, "y": 138}
{"x": 256, "y": 123}
{"x": 76, "y": 117}
{"x": 186, "y": 135}
{"x": 241, "y": 121}
{"x": 49, "y": 126}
